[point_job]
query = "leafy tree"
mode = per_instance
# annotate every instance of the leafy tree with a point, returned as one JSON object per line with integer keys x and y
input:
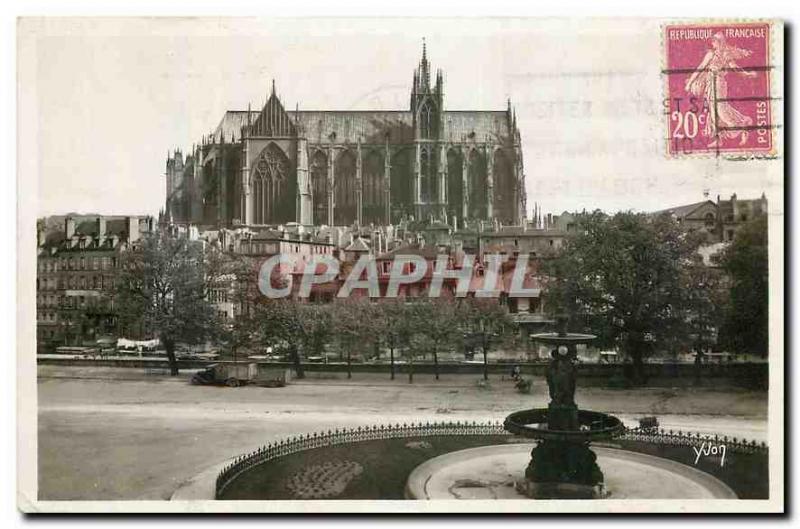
{"x": 437, "y": 321}
{"x": 240, "y": 277}
{"x": 298, "y": 325}
{"x": 746, "y": 263}
{"x": 484, "y": 322}
{"x": 391, "y": 324}
{"x": 628, "y": 278}
{"x": 705, "y": 304}
{"x": 315, "y": 327}
{"x": 351, "y": 319}
{"x": 163, "y": 288}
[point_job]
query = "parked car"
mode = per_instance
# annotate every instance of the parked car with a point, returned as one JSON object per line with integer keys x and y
{"x": 235, "y": 375}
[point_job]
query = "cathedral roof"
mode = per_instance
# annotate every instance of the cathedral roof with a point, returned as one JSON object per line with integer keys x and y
{"x": 372, "y": 126}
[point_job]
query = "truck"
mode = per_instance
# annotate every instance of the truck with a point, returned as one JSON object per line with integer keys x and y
{"x": 239, "y": 374}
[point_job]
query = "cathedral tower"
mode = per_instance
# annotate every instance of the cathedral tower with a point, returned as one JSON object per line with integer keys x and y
{"x": 427, "y": 109}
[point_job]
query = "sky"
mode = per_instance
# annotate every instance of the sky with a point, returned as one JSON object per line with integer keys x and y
{"x": 110, "y": 98}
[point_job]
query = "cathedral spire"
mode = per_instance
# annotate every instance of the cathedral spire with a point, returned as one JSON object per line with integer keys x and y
{"x": 424, "y": 70}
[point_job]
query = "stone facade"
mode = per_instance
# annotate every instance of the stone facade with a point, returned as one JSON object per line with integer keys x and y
{"x": 77, "y": 260}
{"x": 720, "y": 219}
{"x": 340, "y": 168}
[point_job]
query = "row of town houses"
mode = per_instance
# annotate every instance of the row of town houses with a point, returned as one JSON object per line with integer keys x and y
{"x": 78, "y": 256}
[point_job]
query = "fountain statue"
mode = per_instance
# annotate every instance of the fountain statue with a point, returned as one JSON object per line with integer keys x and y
{"x": 562, "y": 464}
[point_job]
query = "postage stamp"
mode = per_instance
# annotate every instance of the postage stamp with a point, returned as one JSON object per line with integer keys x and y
{"x": 717, "y": 98}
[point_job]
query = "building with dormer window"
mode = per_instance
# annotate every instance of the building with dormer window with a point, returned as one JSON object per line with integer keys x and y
{"x": 77, "y": 256}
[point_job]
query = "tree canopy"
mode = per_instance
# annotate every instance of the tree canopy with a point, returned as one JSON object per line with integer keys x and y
{"x": 162, "y": 291}
{"x": 632, "y": 279}
{"x": 746, "y": 263}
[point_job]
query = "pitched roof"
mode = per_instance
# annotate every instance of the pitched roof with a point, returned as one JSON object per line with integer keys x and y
{"x": 367, "y": 126}
{"x": 684, "y": 211}
{"x": 358, "y": 245}
{"x": 426, "y": 252}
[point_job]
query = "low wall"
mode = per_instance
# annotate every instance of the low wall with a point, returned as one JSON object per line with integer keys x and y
{"x": 749, "y": 375}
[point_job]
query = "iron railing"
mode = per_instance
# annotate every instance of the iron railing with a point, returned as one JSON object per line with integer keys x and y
{"x": 300, "y": 443}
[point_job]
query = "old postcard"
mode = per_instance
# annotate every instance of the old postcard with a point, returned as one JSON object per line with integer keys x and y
{"x": 358, "y": 265}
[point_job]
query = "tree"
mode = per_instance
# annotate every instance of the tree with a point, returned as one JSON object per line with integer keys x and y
{"x": 392, "y": 326}
{"x": 746, "y": 263}
{"x": 352, "y": 319}
{"x": 241, "y": 278}
{"x": 298, "y": 325}
{"x": 627, "y": 278}
{"x": 314, "y": 326}
{"x": 705, "y": 305}
{"x": 437, "y": 321}
{"x": 163, "y": 287}
{"x": 484, "y": 320}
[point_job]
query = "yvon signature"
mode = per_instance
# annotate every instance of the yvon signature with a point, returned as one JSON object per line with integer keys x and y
{"x": 709, "y": 449}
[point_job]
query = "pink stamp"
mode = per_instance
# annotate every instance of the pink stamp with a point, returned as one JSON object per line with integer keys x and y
{"x": 718, "y": 89}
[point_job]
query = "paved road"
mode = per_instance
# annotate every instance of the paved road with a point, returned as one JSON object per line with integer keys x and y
{"x": 115, "y": 433}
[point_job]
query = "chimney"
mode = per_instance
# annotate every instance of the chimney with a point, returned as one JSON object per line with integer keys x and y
{"x": 734, "y": 207}
{"x": 101, "y": 227}
{"x": 41, "y": 234}
{"x": 133, "y": 229}
{"x": 69, "y": 227}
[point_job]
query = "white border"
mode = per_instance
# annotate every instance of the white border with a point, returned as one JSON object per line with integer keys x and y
{"x": 676, "y": 8}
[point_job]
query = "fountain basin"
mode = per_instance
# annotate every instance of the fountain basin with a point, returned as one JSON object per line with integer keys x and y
{"x": 594, "y": 426}
{"x": 563, "y": 338}
{"x": 496, "y": 472}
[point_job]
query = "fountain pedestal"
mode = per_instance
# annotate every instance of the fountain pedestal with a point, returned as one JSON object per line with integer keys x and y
{"x": 562, "y": 417}
{"x": 562, "y": 470}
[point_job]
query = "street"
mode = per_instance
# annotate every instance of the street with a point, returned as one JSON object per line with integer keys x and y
{"x": 117, "y": 433}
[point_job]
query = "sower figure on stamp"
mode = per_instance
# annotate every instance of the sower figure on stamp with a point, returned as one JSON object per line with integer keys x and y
{"x": 709, "y": 81}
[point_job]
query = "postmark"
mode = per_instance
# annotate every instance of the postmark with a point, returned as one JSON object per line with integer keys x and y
{"x": 717, "y": 95}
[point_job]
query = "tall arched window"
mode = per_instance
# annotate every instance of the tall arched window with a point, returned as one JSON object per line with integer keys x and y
{"x": 505, "y": 189}
{"x": 478, "y": 185}
{"x": 424, "y": 176}
{"x": 401, "y": 183}
{"x": 319, "y": 187}
{"x": 455, "y": 183}
{"x": 372, "y": 182}
{"x": 427, "y": 121}
{"x": 270, "y": 186}
{"x": 344, "y": 193}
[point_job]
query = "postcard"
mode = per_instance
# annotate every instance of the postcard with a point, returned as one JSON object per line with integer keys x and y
{"x": 510, "y": 265}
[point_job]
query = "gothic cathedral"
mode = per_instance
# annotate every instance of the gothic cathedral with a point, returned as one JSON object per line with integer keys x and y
{"x": 340, "y": 168}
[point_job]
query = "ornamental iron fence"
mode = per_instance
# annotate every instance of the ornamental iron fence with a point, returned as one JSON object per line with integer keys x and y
{"x": 311, "y": 441}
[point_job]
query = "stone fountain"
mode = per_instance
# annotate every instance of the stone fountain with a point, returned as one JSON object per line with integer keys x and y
{"x": 562, "y": 463}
